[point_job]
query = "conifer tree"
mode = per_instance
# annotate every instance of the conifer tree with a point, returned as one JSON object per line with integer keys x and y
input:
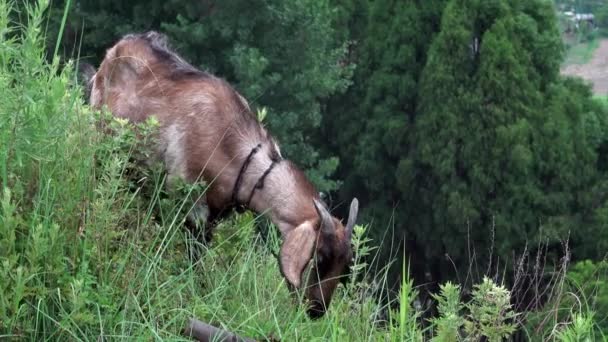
{"x": 504, "y": 142}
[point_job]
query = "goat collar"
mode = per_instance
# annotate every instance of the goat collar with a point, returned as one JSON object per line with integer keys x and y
{"x": 275, "y": 158}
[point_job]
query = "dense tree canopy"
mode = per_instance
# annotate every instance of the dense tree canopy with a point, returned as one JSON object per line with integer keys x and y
{"x": 471, "y": 140}
{"x": 375, "y": 117}
{"x": 504, "y": 142}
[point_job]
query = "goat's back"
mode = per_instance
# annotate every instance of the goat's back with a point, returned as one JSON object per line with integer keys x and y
{"x": 206, "y": 126}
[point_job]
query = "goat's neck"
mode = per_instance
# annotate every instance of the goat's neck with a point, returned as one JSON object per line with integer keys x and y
{"x": 287, "y": 196}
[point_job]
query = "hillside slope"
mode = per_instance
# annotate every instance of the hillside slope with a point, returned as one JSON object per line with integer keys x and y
{"x": 596, "y": 71}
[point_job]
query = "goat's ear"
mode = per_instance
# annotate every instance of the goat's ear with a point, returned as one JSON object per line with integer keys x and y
{"x": 296, "y": 252}
{"x": 120, "y": 72}
{"x": 327, "y": 223}
{"x": 352, "y": 217}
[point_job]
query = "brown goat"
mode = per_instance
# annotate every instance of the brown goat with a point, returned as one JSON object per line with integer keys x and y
{"x": 208, "y": 132}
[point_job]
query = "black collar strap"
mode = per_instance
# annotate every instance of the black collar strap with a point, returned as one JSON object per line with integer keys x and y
{"x": 239, "y": 178}
{"x": 276, "y": 158}
{"x": 260, "y": 182}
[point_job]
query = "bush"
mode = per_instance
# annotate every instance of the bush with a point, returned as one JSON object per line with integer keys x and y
{"x": 576, "y": 307}
{"x": 590, "y": 281}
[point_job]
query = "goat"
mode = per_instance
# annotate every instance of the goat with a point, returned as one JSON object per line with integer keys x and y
{"x": 208, "y": 132}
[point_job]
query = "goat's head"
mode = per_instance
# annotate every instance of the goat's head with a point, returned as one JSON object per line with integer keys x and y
{"x": 325, "y": 245}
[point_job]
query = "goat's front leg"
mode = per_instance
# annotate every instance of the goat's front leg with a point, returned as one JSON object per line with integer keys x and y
{"x": 204, "y": 217}
{"x": 197, "y": 218}
{"x": 199, "y": 221}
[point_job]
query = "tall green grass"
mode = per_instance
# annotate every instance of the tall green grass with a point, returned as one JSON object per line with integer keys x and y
{"x": 92, "y": 248}
{"x": 602, "y": 99}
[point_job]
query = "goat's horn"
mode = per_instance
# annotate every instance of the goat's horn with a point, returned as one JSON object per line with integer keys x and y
{"x": 352, "y": 217}
{"x": 327, "y": 224}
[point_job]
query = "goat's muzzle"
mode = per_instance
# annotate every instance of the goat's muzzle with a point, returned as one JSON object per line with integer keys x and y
{"x": 316, "y": 309}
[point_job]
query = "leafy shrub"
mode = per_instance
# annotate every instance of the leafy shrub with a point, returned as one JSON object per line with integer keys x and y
{"x": 489, "y": 314}
{"x": 449, "y": 322}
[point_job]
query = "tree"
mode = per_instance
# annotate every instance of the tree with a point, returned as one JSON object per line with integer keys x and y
{"x": 371, "y": 124}
{"x": 505, "y": 152}
{"x": 601, "y": 19}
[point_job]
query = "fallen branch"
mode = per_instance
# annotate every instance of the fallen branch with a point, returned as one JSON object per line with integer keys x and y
{"x": 204, "y": 332}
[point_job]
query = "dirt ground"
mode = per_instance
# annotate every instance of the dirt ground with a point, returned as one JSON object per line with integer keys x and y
{"x": 596, "y": 71}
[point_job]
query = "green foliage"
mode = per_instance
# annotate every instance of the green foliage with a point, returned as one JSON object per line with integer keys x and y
{"x": 449, "y": 320}
{"x": 371, "y": 125}
{"x": 590, "y": 281}
{"x": 576, "y": 307}
{"x": 581, "y": 53}
{"x": 601, "y": 17}
{"x": 460, "y": 132}
{"x": 586, "y": 32}
{"x": 467, "y": 130}
{"x": 407, "y": 328}
{"x": 45, "y": 161}
{"x": 362, "y": 244}
{"x": 503, "y": 144}
{"x": 490, "y": 313}
{"x": 580, "y": 330}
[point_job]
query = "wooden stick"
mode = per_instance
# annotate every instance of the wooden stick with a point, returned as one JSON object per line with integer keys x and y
{"x": 204, "y": 332}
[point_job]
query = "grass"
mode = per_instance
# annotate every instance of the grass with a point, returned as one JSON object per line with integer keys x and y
{"x": 602, "y": 99}
{"x": 581, "y": 53}
{"x": 92, "y": 248}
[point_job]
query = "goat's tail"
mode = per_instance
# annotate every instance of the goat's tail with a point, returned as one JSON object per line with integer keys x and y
{"x": 84, "y": 76}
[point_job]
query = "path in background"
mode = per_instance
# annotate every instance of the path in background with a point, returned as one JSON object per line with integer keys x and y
{"x": 596, "y": 71}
